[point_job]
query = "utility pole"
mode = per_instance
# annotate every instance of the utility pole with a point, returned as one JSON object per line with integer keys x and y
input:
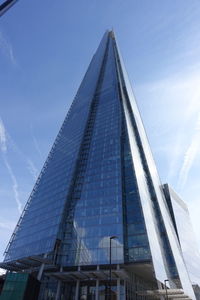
{"x": 165, "y": 281}
{"x": 110, "y": 264}
{"x": 6, "y": 5}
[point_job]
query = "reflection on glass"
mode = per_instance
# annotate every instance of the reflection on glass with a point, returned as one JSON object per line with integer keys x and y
{"x": 181, "y": 218}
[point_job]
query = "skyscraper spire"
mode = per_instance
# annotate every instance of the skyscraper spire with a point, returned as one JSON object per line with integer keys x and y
{"x": 99, "y": 182}
{"x": 6, "y": 5}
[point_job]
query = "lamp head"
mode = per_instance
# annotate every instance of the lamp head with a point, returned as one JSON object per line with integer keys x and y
{"x": 113, "y": 237}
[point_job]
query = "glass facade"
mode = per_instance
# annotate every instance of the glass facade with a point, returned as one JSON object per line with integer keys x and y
{"x": 105, "y": 200}
{"x": 96, "y": 198}
{"x": 181, "y": 219}
{"x": 165, "y": 249}
{"x": 120, "y": 289}
{"x": 136, "y": 240}
{"x": 40, "y": 222}
{"x": 100, "y": 181}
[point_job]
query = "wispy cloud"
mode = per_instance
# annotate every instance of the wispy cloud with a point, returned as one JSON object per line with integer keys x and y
{"x": 5, "y": 140}
{"x": 7, "y": 49}
{"x": 14, "y": 185}
{"x": 176, "y": 112}
{"x": 30, "y": 165}
{"x": 2, "y": 137}
{"x": 190, "y": 155}
{"x": 35, "y": 142}
{"x": 175, "y": 156}
{"x": 32, "y": 169}
{"x": 7, "y": 225}
{"x": 3, "y": 146}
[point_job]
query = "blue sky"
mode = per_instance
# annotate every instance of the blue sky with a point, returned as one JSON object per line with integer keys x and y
{"x": 45, "y": 48}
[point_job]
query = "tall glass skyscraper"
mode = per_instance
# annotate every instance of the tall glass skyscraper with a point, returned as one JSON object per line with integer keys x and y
{"x": 97, "y": 225}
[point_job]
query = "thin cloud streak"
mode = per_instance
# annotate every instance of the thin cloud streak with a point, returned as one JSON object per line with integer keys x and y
{"x": 174, "y": 159}
{"x": 190, "y": 155}
{"x": 37, "y": 146}
{"x": 30, "y": 165}
{"x": 2, "y": 137}
{"x": 176, "y": 93}
{"x": 6, "y": 49}
{"x": 3, "y": 145}
{"x": 6, "y": 225}
{"x": 32, "y": 169}
{"x": 35, "y": 142}
{"x": 15, "y": 184}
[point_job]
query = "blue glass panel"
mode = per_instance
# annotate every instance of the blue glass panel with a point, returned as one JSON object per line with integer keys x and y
{"x": 182, "y": 223}
{"x": 135, "y": 129}
{"x": 37, "y": 230}
{"x": 97, "y": 211}
{"x": 134, "y": 227}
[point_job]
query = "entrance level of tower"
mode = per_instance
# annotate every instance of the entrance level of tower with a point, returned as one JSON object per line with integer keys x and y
{"x": 93, "y": 283}
{"x": 93, "y": 290}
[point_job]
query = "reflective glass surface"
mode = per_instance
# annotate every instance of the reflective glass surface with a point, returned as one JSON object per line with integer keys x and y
{"x": 100, "y": 181}
{"x": 147, "y": 207}
{"x": 186, "y": 237}
{"x": 139, "y": 150}
{"x": 135, "y": 238}
{"x": 37, "y": 229}
{"x": 105, "y": 200}
{"x": 97, "y": 195}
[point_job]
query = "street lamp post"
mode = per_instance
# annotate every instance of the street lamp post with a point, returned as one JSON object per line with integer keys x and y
{"x": 166, "y": 288}
{"x": 110, "y": 277}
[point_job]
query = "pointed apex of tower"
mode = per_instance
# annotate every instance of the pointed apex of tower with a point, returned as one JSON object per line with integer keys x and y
{"x": 112, "y": 34}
